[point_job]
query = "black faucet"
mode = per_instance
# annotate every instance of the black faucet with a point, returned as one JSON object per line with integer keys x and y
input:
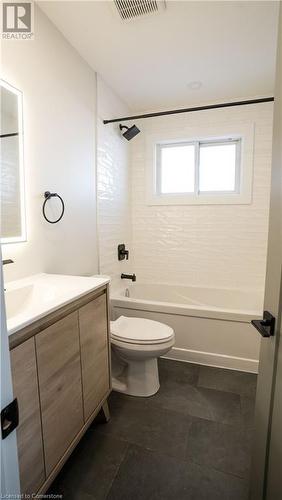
{"x": 5, "y": 262}
{"x": 128, "y": 276}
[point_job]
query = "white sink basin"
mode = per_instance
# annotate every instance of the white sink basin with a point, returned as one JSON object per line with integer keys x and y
{"x": 18, "y": 300}
{"x": 32, "y": 298}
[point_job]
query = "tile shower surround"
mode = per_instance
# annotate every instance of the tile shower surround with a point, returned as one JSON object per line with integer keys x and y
{"x": 218, "y": 245}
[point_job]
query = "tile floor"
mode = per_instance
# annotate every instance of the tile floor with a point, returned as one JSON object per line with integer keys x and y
{"x": 190, "y": 441}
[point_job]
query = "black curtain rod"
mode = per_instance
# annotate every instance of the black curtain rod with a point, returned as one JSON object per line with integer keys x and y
{"x": 190, "y": 110}
{"x": 9, "y": 135}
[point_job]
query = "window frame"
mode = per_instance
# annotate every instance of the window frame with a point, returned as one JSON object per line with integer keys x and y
{"x": 192, "y": 131}
{"x": 198, "y": 144}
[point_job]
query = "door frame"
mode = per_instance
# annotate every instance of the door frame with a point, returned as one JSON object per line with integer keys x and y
{"x": 273, "y": 476}
{"x": 266, "y": 395}
{"x": 10, "y": 479}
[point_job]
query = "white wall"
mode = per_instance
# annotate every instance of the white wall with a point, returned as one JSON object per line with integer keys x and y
{"x": 59, "y": 138}
{"x": 113, "y": 182}
{"x": 214, "y": 245}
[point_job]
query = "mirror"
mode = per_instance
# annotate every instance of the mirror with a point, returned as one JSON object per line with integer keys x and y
{"x": 12, "y": 228}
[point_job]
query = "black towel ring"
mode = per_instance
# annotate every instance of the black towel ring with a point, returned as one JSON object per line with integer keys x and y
{"x": 47, "y": 196}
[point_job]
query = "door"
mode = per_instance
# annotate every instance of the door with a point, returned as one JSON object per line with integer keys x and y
{"x": 266, "y": 475}
{"x": 29, "y": 432}
{"x": 274, "y": 476}
{"x": 60, "y": 387}
{"x": 93, "y": 325}
{"x": 10, "y": 483}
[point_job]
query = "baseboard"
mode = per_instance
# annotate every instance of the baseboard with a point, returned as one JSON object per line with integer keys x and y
{"x": 212, "y": 359}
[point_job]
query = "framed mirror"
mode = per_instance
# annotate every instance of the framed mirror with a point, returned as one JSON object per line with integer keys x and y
{"x": 13, "y": 224}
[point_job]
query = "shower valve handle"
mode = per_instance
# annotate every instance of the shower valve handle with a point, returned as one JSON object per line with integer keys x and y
{"x": 122, "y": 253}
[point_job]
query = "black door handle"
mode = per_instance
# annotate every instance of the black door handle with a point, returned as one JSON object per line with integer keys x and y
{"x": 265, "y": 326}
{"x": 9, "y": 418}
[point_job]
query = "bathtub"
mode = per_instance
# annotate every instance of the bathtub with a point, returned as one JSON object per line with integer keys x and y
{"x": 212, "y": 325}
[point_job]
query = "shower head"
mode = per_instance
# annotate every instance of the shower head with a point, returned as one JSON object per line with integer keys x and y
{"x": 130, "y": 131}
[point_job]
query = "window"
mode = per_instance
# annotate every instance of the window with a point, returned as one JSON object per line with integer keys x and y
{"x": 177, "y": 171}
{"x": 198, "y": 168}
{"x": 219, "y": 165}
{"x": 201, "y": 164}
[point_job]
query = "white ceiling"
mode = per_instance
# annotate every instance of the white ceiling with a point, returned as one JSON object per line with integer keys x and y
{"x": 228, "y": 46}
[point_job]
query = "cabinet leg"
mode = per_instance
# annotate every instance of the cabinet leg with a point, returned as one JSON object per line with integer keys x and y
{"x": 106, "y": 412}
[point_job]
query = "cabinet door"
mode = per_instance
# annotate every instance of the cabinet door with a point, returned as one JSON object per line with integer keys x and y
{"x": 29, "y": 432}
{"x": 93, "y": 325}
{"x": 59, "y": 374}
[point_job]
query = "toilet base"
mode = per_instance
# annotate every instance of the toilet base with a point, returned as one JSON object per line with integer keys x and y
{"x": 137, "y": 378}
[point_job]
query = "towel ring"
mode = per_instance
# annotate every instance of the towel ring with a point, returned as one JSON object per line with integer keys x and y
{"x": 47, "y": 196}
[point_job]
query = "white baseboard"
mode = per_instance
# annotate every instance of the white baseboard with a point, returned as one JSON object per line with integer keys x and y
{"x": 212, "y": 359}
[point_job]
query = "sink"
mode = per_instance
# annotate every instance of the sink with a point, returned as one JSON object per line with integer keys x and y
{"x": 32, "y": 298}
{"x": 17, "y": 300}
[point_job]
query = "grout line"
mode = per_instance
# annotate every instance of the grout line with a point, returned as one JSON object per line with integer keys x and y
{"x": 208, "y": 466}
{"x": 177, "y": 459}
{"x": 118, "y": 468}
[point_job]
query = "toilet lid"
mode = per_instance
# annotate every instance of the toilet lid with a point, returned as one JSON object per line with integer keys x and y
{"x": 140, "y": 330}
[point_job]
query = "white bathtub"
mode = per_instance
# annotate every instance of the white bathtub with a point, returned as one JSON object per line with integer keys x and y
{"x": 212, "y": 325}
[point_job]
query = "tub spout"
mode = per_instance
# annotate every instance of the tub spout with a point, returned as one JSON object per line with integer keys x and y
{"x": 128, "y": 276}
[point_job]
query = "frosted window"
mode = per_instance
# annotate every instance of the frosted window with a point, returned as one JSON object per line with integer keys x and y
{"x": 177, "y": 169}
{"x": 198, "y": 170}
{"x": 217, "y": 168}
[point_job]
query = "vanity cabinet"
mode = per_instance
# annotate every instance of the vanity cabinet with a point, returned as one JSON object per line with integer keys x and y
{"x": 29, "y": 437}
{"x": 94, "y": 353}
{"x": 61, "y": 377}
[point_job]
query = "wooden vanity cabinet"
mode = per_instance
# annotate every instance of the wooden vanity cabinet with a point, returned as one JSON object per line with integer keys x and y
{"x": 94, "y": 353}
{"x": 61, "y": 377}
{"x": 29, "y": 437}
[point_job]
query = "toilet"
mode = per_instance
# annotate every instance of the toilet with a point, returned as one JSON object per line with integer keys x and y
{"x": 136, "y": 345}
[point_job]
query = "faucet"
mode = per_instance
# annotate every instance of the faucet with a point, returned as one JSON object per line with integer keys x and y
{"x": 128, "y": 276}
{"x": 5, "y": 262}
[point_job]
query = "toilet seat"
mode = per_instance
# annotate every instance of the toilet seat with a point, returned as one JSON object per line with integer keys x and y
{"x": 140, "y": 331}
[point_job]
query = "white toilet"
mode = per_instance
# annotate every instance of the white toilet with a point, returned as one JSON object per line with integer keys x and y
{"x": 136, "y": 345}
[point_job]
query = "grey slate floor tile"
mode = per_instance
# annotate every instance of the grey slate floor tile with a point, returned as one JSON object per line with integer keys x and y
{"x": 138, "y": 422}
{"x": 91, "y": 469}
{"x": 228, "y": 381}
{"x": 248, "y": 411}
{"x": 190, "y": 441}
{"x": 147, "y": 475}
{"x": 198, "y": 402}
{"x": 178, "y": 371}
{"x": 223, "y": 447}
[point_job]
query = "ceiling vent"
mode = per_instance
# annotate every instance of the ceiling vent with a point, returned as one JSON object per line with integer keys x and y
{"x": 132, "y": 9}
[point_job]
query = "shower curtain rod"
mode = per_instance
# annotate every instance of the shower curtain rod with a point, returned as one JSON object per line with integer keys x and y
{"x": 190, "y": 110}
{"x": 9, "y": 135}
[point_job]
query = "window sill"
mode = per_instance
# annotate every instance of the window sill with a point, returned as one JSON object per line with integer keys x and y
{"x": 205, "y": 199}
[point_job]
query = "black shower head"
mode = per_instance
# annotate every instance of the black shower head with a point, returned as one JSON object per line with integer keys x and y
{"x": 130, "y": 131}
